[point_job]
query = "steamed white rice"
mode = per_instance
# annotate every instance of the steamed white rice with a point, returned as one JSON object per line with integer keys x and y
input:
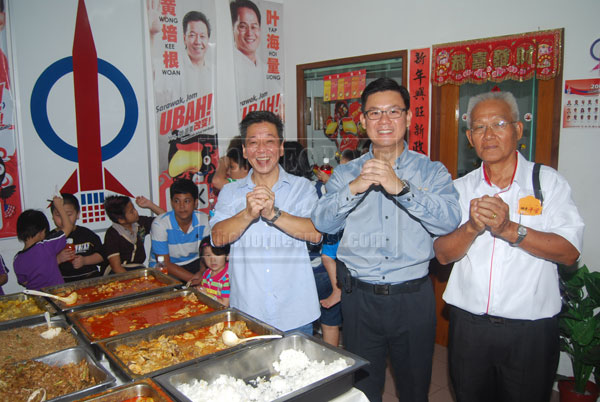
{"x": 294, "y": 370}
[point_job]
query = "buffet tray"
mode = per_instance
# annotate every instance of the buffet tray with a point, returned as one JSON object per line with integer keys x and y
{"x": 168, "y": 281}
{"x": 143, "y": 388}
{"x": 55, "y": 322}
{"x": 75, "y": 355}
{"x": 108, "y": 346}
{"x": 35, "y": 318}
{"x": 257, "y": 361}
{"x": 76, "y": 317}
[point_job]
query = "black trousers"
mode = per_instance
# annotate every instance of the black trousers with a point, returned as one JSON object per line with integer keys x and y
{"x": 401, "y": 325}
{"x": 495, "y": 359}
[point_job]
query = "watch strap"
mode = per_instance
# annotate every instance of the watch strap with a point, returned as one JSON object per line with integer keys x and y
{"x": 275, "y": 217}
{"x": 521, "y": 233}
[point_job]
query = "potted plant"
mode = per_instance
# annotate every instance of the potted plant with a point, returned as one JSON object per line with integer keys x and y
{"x": 579, "y": 323}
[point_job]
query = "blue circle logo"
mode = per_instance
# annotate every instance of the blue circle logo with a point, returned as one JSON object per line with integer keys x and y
{"x": 39, "y": 109}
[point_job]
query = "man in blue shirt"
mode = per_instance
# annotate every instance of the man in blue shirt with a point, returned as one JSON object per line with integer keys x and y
{"x": 266, "y": 219}
{"x": 391, "y": 203}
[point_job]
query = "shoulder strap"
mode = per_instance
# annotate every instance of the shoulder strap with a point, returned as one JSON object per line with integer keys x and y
{"x": 537, "y": 189}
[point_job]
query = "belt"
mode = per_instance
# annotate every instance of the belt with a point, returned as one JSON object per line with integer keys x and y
{"x": 491, "y": 318}
{"x": 387, "y": 289}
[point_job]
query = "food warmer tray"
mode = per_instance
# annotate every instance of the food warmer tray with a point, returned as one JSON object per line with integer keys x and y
{"x": 168, "y": 281}
{"x": 257, "y": 361}
{"x": 41, "y": 302}
{"x": 143, "y": 388}
{"x": 74, "y": 355}
{"x": 108, "y": 346}
{"x": 75, "y": 317}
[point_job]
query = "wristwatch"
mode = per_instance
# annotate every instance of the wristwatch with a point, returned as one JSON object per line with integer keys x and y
{"x": 521, "y": 232}
{"x": 275, "y": 217}
{"x": 405, "y": 188}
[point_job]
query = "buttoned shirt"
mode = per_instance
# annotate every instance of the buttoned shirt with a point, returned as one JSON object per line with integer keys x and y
{"x": 389, "y": 238}
{"x": 498, "y": 279}
{"x": 270, "y": 273}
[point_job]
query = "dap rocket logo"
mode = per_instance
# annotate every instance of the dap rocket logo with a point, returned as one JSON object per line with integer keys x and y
{"x": 90, "y": 178}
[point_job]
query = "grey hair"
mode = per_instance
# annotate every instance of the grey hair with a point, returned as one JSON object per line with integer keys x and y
{"x": 507, "y": 97}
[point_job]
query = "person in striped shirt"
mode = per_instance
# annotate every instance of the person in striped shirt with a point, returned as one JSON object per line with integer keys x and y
{"x": 215, "y": 280}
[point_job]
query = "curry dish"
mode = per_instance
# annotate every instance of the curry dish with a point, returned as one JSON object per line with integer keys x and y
{"x": 12, "y": 309}
{"x": 167, "y": 350}
{"x": 130, "y": 319}
{"x": 50, "y": 381}
{"x": 27, "y": 343}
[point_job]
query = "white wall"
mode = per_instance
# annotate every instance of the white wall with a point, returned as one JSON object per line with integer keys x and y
{"x": 319, "y": 30}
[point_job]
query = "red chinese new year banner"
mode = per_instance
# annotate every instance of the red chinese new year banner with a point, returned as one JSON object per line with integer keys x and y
{"x": 344, "y": 86}
{"x": 419, "y": 103}
{"x": 516, "y": 57}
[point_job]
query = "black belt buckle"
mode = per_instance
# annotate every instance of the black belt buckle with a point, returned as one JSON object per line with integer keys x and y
{"x": 381, "y": 289}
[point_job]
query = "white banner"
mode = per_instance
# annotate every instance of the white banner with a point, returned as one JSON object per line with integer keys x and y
{"x": 81, "y": 96}
{"x": 258, "y": 55}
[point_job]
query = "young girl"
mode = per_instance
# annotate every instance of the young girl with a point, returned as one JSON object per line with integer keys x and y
{"x": 215, "y": 280}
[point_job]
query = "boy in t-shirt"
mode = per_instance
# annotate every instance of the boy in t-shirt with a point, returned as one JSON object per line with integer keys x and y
{"x": 124, "y": 240}
{"x": 215, "y": 280}
{"x": 84, "y": 262}
{"x": 36, "y": 266}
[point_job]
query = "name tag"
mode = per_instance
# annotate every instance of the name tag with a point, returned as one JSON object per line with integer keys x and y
{"x": 530, "y": 206}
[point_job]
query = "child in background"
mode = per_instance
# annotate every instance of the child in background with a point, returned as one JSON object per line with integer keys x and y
{"x": 124, "y": 240}
{"x": 3, "y": 274}
{"x": 36, "y": 265}
{"x": 233, "y": 166}
{"x": 215, "y": 280}
{"x": 83, "y": 262}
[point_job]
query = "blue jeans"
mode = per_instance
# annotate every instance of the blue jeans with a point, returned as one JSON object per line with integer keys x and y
{"x": 305, "y": 329}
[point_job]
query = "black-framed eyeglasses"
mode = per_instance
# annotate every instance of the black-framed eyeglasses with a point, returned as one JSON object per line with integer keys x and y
{"x": 393, "y": 113}
{"x": 496, "y": 127}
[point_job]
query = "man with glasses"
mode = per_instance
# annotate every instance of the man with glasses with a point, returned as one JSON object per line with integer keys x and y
{"x": 503, "y": 290}
{"x": 391, "y": 202}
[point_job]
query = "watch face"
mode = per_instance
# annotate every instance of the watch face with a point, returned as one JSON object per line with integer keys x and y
{"x": 521, "y": 230}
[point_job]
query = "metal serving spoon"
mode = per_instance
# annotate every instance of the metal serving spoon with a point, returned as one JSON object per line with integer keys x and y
{"x": 231, "y": 339}
{"x": 70, "y": 299}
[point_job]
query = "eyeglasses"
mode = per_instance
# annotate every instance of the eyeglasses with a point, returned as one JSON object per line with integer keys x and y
{"x": 376, "y": 114}
{"x": 496, "y": 127}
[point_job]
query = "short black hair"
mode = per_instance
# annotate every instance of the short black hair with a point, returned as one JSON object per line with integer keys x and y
{"x": 68, "y": 199}
{"x": 261, "y": 116}
{"x": 216, "y": 250}
{"x": 114, "y": 205}
{"x": 184, "y": 186}
{"x": 195, "y": 16}
{"x": 237, "y": 155}
{"x": 384, "y": 84}
{"x": 295, "y": 160}
{"x": 234, "y": 6}
{"x": 350, "y": 154}
{"x": 30, "y": 223}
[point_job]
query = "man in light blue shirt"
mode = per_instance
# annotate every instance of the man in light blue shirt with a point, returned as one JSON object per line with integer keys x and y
{"x": 391, "y": 203}
{"x": 266, "y": 219}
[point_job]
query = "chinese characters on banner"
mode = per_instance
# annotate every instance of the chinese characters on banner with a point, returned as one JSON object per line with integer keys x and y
{"x": 582, "y": 99}
{"x": 10, "y": 197}
{"x": 183, "y": 37}
{"x": 258, "y": 56}
{"x": 344, "y": 86}
{"x": 516, "y": 57}
{"x": 418, "y": 82}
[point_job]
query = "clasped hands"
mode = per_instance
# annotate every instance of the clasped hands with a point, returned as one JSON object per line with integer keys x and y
{"x": 377, "y": 172}
{"x": 260, "y": 202}
{"x": 489, "y": 213}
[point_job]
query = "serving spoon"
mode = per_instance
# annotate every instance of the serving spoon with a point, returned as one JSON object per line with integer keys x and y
{"x": 70, "y": 299}
{"x": 231, "y": 339}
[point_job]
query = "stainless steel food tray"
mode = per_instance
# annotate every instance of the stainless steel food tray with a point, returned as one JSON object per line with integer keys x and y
{"x": 55, "y": 322}
{"x": 108, "y": 347}
{"x": 143, "y": 388}
{"x": 257, "y": 361}
{"x": 169, "y": 282}
{"x": 41, "y": 302}
{"x": 74, "y": 355}
{"x": 75, "y": 317}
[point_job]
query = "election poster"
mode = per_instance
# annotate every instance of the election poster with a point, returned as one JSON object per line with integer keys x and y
{"x": 182, "y": 39}
{"x": 10, "y": 197}
{"x": 258, "y": 56}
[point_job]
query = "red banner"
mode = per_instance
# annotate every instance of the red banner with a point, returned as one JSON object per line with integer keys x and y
{"x": 344, "y": 86}
{"x": 516, "y": 57}
{"x": 419, "y": 104}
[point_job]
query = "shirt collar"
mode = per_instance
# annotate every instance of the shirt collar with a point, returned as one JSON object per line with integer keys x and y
{"x": 284, "y": 177}
{"x": 175, "y": 224}
{"x": 220, "y": 274}
{"x": 399, "y": 160}
{"x": 485, "y": 177}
